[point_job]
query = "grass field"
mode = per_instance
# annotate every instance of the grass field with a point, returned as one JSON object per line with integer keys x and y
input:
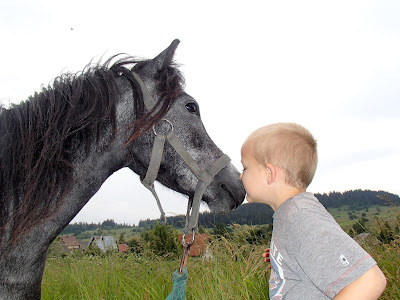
{"x": 341, "y": 215}
{"x": 236, "y": 271}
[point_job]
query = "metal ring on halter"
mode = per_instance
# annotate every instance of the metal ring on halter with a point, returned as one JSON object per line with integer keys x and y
{"x": 169, "y": 123}
{"x": 183, "y": 239}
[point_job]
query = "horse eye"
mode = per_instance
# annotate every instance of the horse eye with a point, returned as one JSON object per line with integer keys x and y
{"x": 192, "y": 108}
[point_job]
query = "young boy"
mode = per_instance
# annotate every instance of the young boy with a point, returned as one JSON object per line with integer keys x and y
{"x": 311, "y": 256}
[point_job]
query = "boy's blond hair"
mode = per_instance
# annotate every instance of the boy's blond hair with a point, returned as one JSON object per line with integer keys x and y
{"x": 288, "y": 146}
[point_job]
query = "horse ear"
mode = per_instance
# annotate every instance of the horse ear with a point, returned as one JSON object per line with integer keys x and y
{"x": 164, "y": 59}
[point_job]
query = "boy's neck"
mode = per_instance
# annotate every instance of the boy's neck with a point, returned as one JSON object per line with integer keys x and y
{"x": 285, "y": 193}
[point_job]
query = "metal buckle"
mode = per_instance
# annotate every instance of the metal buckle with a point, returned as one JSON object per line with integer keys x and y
{"x": 159, "y": 123}
{"x": 183, "y": 239}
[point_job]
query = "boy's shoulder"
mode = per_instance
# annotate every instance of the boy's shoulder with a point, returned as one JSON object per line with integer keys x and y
{"x": 301, "y": 202}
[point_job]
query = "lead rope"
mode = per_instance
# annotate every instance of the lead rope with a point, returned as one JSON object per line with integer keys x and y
{"x": 179, "y": 278}
{"x": 186, "y": 250}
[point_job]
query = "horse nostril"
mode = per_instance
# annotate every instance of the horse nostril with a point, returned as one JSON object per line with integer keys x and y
{"x": 227, "y": 190}
{"x": 223, "y": 187}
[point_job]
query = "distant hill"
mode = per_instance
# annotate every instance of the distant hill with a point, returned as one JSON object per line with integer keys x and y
{"x": 358, "y": 198}
{"x": 255, "y": 214}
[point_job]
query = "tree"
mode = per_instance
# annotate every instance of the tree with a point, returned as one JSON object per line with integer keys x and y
{"x": 121, "y": 239}
{"x": 135, "y": 246}
{"x": 162, "y": 239}
{"x": 109, "y": 223}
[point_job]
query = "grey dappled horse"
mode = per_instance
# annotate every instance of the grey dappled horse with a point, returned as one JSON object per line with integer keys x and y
{"x": 59, "y": 146}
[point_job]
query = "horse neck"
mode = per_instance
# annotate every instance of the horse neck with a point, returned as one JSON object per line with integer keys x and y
{"x": 92, "y": 165}
{"x": 105, "y": 157}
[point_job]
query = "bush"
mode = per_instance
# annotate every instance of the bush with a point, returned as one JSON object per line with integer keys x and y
{"x": 93, "y": 251}
{"x": 251, "y": 235}
{"x": 162, "y": 239}
{"x": 135, "y": 246}
{"x": 357, "y": 228}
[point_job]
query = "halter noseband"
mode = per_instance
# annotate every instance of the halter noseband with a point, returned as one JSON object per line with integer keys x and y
{"x": 205, "y": 177}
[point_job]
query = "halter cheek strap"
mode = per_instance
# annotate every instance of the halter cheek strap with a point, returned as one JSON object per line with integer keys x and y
{"x": 205, "y": 177}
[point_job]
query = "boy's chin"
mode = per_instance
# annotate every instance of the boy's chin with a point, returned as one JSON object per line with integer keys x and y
{"x": 250, "y": 200}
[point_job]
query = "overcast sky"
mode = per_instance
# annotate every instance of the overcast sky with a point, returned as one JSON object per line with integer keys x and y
{"x": 333, "y": 67}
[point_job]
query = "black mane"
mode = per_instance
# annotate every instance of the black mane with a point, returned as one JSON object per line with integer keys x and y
{"x": 40, "y": 136}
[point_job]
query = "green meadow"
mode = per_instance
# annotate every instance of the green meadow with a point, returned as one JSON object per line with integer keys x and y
{"x": 233, "y": 273}
{"x": 234, "y": 270}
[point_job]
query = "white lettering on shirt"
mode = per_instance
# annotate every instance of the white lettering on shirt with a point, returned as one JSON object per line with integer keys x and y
{"x": 277, "y": 278}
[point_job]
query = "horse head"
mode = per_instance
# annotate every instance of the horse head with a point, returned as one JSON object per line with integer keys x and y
{"x": 182, "y": 116}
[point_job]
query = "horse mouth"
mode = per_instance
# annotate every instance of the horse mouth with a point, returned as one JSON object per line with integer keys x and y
{"x": 235, "y": 203}
{"x": 227, "y": 199}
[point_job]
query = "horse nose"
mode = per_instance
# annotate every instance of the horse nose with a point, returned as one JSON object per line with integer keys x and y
{"x": 236, "y": 192}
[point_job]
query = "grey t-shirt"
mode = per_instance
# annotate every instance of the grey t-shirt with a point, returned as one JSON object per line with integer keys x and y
{"x": 311, "y": 256}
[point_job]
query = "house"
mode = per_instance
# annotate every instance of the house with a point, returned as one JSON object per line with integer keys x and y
{"x": 64, "y": 244}
{"x": 199, "y": 245}
{"x": 123, "y": 248}
{"x": 69, "y": 242}
{"x": 104, "y": 243}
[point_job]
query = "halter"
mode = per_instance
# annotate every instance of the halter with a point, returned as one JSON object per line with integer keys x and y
{"x": 205, "y": 177}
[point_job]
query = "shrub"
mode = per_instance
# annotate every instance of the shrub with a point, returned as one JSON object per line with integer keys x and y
{"x": 135, "y": 246}
{"x": 162, "y": 239}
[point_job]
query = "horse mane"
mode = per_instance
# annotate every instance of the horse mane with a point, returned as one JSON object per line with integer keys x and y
{"x": 40, "y": 136}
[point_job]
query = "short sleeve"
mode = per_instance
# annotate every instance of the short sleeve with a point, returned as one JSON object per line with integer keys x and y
{"x": 326, "y": 254}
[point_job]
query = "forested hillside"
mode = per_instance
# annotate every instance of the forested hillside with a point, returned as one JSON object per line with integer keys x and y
{"x": 255, "y": 214}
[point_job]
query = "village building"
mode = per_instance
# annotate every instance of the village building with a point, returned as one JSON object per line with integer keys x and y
{"x": 123, "y": 248}
{"x": 69, "y": 242}
{"x": 104, "y": 243}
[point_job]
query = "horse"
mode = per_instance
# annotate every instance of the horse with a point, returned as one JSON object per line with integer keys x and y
{"x": 59, "y": 146}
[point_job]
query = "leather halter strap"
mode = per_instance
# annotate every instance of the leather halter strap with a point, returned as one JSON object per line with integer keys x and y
{"x": 205, "y": 177}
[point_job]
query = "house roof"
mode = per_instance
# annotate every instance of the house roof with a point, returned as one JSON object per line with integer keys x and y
{"x": 123, "y": 248}
{"x": 103, "y": 242}
{"x": 69, "y": 240}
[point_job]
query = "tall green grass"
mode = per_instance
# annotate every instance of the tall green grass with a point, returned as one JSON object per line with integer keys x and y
{"x": 388, "y": 258}
{"x": 235, "y": 271}
{"x": 108, "y": 277}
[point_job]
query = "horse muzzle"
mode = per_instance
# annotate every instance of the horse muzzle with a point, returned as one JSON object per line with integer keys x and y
{"x": 226, "y": 192}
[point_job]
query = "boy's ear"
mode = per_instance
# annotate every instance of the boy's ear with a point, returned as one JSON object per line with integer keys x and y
{"x": 271, "y": 173}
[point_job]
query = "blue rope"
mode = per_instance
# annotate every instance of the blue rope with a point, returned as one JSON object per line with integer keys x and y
{"x": 179, "y": 285}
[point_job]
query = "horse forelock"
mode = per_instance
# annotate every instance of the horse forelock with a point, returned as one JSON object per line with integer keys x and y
{"x": 40, "y": 136}
{"x": 169, "y": 86}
